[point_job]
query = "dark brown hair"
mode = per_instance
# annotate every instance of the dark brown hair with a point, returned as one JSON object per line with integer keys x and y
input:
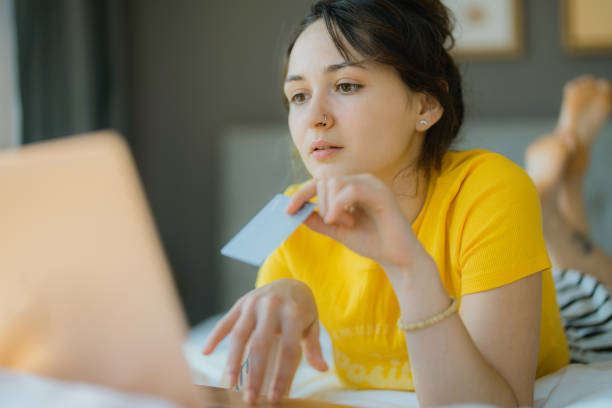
{"x": 413, "y": 36}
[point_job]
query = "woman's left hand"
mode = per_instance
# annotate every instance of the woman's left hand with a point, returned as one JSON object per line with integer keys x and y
{"x": 361, "y": 212}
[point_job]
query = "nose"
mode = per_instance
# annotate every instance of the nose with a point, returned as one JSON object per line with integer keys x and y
{"x": 320, "y": 115}
{"x": 322, "y": 123}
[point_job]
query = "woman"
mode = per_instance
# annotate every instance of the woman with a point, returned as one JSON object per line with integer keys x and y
{"x": 405, "y": 229}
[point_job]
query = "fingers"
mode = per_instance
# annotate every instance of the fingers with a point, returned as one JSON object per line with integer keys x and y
{"x": 344, "y": 199}
{"x": 240, "y": 336}
{"x": 331, "y": 187}
{"x": 322, "y": 197}
{"x": 312, "y": 348}
{"x": 305, "y": 193}
{"x": 254, "y": 322}
{"x": 367, "y": 187}
{"x": 289, "y": 355}
{"x": 223, "y": 327}
{"x": 356, "y": 189}
{"x": 327, "y": 191}
{"x": 316, "y": 223}
{"x": 262, "y": 341}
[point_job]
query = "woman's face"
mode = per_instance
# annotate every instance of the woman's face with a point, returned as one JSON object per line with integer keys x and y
{"x": 371, "y": 115}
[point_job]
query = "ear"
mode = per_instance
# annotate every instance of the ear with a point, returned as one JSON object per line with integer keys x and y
{"x": 430, "y": 112}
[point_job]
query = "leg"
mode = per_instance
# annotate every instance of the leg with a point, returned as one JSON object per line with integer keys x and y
{"x": 586, "y": 106}
{"x": 557, "y": 164}
{"x": 569, "y": 249}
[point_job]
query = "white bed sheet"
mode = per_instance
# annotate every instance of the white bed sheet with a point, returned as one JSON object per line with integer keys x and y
{"x": 577, "y": 385}
{"x": 21, "y": 390}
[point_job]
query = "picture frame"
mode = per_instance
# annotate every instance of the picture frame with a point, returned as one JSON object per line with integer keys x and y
{"x": 586, "y": 26}
{"x": 487, "y": 28}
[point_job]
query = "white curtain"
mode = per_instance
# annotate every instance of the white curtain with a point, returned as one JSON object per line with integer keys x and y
{"x": 10, "y": 112}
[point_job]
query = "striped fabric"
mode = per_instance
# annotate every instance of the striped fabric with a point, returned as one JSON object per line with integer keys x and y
{"x": 586, "y": 311}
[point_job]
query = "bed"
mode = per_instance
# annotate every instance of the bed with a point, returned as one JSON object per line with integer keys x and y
{"x": 243, "y": 172}
{"x": 577, "y": 385}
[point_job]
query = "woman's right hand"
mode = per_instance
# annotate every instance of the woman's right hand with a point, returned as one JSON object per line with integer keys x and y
{"x": 284, "y": 307}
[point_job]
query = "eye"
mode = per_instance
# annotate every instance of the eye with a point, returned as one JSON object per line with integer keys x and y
{"x": 299, "y": 98}
{"x": 347, "y": 88}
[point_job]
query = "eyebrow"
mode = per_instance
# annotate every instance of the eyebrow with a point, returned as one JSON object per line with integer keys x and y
{"x": 330, "y": 68}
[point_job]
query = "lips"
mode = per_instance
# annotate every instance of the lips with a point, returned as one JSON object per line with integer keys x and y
{"x": 321, "y": 144}
{"x": 322, "y": 154}
{"x": 322, "y": 149}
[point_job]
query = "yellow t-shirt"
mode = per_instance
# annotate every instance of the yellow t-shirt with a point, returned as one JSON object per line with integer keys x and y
{"x": 481, "y": 222}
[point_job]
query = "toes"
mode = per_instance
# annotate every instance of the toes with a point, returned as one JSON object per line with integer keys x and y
{"x": 578, "y": 82}
{"x": 605, "y": 89}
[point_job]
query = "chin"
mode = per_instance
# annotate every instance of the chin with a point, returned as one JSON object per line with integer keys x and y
{"x": 327, "y": 171}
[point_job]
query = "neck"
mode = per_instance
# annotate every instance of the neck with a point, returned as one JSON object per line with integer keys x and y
{"x": 408, "y": 184}
{"x": 410, "y": 192}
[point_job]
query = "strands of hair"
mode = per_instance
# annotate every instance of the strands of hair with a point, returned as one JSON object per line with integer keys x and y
{"x": 413, "y": 37}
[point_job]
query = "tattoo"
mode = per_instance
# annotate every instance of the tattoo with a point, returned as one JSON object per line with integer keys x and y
{"x": 244, "y": 370}
{"x": 585, "y": 243}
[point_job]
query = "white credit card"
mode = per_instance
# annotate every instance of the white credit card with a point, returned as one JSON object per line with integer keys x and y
{"x": 266, "y": 231}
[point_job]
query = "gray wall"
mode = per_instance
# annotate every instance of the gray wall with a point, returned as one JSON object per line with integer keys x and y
{"x": 198, "y": 67}
{"x": 8, "y": 77}
{"x": 531, "y": 85}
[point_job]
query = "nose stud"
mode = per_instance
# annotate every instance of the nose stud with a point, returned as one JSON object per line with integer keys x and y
{"x": 324, "y": 121}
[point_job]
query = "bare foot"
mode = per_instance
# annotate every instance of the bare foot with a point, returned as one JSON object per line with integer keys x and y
{"x": 545, "y": 162}
{"x": 587, "y": 102}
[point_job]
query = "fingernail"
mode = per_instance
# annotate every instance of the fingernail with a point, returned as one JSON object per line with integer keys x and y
{"x": 274, "y": 396}
{"x": 250, "y": 396}
{"x": 231, "y": 377}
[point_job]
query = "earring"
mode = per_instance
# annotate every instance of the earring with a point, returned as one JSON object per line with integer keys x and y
{"x": 423, "y": 122}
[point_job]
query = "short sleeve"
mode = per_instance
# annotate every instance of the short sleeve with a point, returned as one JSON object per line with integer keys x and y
{"x": 500, "y": 229}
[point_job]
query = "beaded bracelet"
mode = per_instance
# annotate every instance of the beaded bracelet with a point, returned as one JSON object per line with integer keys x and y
{"x": 432, "y": 320}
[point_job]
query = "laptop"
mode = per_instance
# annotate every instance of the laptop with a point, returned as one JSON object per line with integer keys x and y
{"x": 86, "y": 292}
